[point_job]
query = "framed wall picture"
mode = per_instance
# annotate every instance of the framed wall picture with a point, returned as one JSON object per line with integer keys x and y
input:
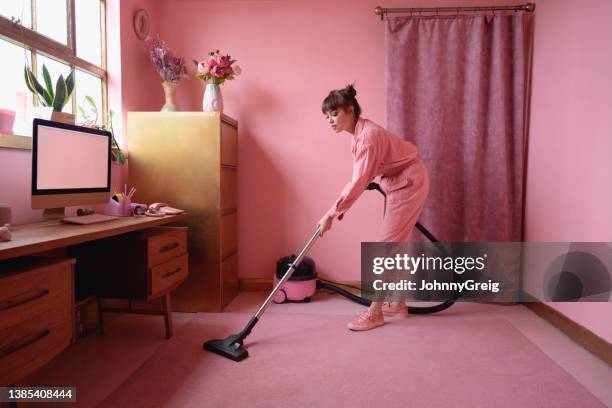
{"x": 141, "y": 23}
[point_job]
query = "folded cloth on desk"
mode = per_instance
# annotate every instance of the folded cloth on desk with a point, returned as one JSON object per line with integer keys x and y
{"x": 5, "y": 233}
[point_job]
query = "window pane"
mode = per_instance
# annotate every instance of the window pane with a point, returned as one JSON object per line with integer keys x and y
{"x": 88, "y": 35}
{"x": 11, "y": 74}
{"x": 88, "y": 85}
{"x": 20, "y": 9}
{"x": 56, "y": 69}
{"x": 52, "y": 19}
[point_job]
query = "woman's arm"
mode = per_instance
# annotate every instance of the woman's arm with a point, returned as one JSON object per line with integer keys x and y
{"x": 364, "y": 168}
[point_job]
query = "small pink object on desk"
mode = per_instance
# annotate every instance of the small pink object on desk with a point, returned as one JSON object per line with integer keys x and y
{"x": 7, "y": 117}
{"x": 5, "y": 233}
{"x": 161, "y": 209}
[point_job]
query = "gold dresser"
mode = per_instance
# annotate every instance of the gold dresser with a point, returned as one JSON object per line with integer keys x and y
{"x": 190, "y": 161}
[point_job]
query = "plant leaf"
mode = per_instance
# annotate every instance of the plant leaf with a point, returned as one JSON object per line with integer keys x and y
{"x": 69, "y": 85}
{"x": 48, "y": 83}
{"x": 92, "y": 104}
{"x": 83, "y": 113}
{"x": 60, "y": 94}
{"x": 43, "y": 95}
{"x": 28, "y": 82}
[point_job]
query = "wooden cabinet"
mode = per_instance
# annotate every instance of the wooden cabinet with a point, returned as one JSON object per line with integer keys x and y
{"x": 36, "y": 314}
{"x": 142, "y": 265}
{"x": 190, "y": 161}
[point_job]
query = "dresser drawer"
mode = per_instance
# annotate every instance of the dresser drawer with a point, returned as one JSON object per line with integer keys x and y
{"x": 229, "y": 279}
{"x": 27, "y": 291}
{"x": 229, "y": 145}
{"x": 168, "y": 274}
{"x": 229, "y": 239}
{"x": 30, "y": 344}
{"x": 165, "y": 244}
{"x": 229, "y": 188}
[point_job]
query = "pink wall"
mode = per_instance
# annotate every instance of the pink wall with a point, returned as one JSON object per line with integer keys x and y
{"x": 569, "y": 188}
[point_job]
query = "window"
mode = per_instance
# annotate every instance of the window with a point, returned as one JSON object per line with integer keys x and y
{"x": 65, "y": 36}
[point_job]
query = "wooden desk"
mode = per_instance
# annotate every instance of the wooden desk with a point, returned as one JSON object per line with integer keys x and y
{"x": 37, "y": 293}
{"x": 42, "y": 236}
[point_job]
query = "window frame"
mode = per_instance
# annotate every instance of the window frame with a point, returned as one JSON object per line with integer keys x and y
{"x": 32, "y": 40}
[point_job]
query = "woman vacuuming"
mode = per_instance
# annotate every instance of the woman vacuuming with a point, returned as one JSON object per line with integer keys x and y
{"x": 377, "y": 153}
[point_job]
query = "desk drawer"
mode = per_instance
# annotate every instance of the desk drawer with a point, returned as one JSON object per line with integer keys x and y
{"x": 168, "y": 274}
{"x": 26, "y": 294}
{"x": 167, "y": 245}
{"x": 30, "y": 344}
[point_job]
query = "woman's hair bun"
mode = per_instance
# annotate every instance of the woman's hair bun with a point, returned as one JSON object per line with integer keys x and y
{"x": 350, "y": 91}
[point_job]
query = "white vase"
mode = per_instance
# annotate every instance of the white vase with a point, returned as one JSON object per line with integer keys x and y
{"x": 213, "y": 101}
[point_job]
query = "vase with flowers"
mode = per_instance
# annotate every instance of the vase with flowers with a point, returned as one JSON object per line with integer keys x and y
{"x": 215, "y": 70}
{"x": 171, "y": 69}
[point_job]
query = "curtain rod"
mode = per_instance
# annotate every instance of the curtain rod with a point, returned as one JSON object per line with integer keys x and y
{"x": 381, "y": 11}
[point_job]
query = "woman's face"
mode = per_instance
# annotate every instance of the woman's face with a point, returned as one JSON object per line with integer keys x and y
{"x": 340, "y": 119}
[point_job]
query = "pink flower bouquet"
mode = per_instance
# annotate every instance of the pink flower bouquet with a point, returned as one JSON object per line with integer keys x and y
{"x": 217, "y": 68}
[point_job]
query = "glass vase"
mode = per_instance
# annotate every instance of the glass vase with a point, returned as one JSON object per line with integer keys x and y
{"x": 213, "y": 101}
{"x": 169, "y": 89}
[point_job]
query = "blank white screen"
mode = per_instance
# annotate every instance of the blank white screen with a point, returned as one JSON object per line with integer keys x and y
{"x": 71, "y": 159}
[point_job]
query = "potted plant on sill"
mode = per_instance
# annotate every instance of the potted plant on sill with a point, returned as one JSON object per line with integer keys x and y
{"x": 49, "y": 96}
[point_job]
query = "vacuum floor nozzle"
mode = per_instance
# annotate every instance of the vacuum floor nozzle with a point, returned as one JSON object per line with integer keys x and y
{"x": 227, "y": 347}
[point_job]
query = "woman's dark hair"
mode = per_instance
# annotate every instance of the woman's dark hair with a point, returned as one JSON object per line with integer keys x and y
{"x": 342, "y": 98}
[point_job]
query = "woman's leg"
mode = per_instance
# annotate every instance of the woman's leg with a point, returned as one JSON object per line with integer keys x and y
{"x": 403, "y": 211}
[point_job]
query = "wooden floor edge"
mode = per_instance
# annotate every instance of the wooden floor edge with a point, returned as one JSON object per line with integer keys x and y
{"x": 581, "y": 335}
{"x": 584, "y": 337}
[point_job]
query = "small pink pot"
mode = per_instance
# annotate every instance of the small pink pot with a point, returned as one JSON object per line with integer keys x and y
{"x": 7, "y": 118}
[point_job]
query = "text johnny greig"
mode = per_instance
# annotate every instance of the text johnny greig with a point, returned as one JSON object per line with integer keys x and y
{"x": 412, "y": 264}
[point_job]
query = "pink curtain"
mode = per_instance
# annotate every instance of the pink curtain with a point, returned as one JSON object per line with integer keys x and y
{"x": 457, "y": 87}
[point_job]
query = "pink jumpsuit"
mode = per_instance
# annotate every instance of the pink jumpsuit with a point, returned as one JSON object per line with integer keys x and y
{"x": 382, "y": 157}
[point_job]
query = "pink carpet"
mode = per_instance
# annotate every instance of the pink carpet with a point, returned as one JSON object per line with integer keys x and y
{"x": 303, "y": 360}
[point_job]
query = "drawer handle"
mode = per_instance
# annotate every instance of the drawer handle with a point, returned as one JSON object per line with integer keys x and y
{"x": 22, "y": 299}
{"x": 168, "y": 247}
{"x": 169, "y": 274}
{"x": 22, "y": 343}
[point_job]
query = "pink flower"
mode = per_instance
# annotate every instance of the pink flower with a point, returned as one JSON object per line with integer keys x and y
{"x": 223, "y": 60}
{"x": 237, "y": 69}
{"x": 218, "y": 71}
{"x": 203, "y": 67}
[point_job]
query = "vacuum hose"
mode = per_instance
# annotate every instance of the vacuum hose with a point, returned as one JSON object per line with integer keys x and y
{"x": 411, "y": 309}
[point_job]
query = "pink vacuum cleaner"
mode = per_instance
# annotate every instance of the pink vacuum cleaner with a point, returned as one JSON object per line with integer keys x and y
{"x": 301, "y": 285}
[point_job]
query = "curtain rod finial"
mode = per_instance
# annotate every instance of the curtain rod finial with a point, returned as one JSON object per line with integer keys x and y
{"x": 379, "y": 11}
{"x": 530, "y": 7}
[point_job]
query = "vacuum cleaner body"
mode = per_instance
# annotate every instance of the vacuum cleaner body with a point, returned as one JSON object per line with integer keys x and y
{"x": 301, "y": 285}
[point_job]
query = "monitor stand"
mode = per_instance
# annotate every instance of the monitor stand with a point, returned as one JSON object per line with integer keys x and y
{"x": 53, "y": 213}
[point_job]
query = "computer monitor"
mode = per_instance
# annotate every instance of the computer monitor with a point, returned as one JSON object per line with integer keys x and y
{"x": 70, "y": 166}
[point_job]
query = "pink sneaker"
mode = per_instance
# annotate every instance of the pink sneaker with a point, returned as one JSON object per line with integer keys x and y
{"x": 366, "y": 321}
{"x": 399, "y": 308}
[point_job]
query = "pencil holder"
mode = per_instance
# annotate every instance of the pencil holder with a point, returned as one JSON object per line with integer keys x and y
{"x": 121, "y": 208}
